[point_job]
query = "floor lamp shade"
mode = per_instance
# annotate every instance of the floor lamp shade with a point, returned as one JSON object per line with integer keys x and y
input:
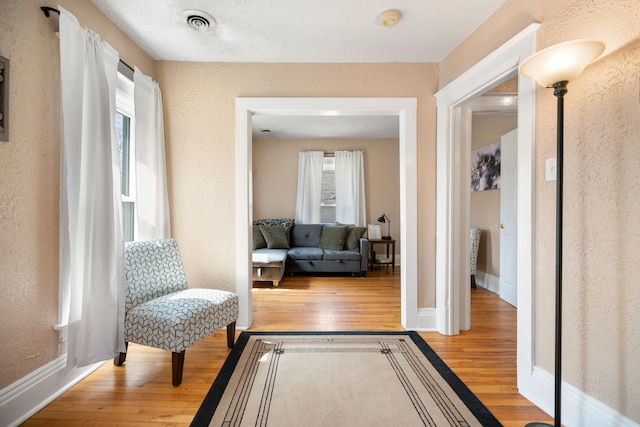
{"x": 561, "y": 62}
{"x": 555, "y": 67}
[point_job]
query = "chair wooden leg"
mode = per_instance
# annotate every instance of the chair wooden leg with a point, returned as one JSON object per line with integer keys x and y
{"x": 119, "y": 359}
{"x": 231, "y": 334}
{"x": 177, "y": 363}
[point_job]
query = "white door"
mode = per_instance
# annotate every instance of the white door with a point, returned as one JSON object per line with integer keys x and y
{"x": 508, "y": 219}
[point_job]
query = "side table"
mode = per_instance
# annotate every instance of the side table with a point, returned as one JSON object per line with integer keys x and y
{"x": 389, "y": 259}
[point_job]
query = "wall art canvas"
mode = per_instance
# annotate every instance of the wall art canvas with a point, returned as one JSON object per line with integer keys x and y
{"x": 374, "y": 232}
{"x": 485, "y": 167}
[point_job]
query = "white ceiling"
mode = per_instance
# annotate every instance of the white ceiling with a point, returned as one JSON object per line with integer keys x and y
{"x": 301, "y": 127}
{"x": 302, "y": 31}
{"x": 299, "y": 30}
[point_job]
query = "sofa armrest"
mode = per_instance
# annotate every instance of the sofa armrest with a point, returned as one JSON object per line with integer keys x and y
{"x": 364, "y": 251}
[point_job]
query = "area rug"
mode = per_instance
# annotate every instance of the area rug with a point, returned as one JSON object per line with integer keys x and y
{"x": 335, "y": 379}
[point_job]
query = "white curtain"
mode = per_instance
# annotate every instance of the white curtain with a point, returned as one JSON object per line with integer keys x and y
{"x": 309, "y": 194}
{"x": 152, "y": 201}
{"x": 91, "y": 242}
{"x": 350, "y": 194}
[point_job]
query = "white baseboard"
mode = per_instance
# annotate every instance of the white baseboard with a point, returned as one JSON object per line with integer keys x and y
{"x": 427, "y": 321}
{"x": 578, "y": 408}
{"x": 488, "y": 281}
{"x": 28, "y": 395}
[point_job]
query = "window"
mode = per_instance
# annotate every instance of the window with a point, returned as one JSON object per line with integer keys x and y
{"x": 328, "y": 202}
{"x": 124, "y": 124}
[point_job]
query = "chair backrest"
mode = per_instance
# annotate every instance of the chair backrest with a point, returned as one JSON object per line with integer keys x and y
{"x": 152, "y": 268}
{"x": 474, "y": 239}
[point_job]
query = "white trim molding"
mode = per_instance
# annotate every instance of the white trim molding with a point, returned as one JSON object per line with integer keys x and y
{"x": 25, "y": 397}
{"x": 488, "y": 281}
{"x": 427, "y": 320}
{"x": 453, "y": 148}
{"x": 406, "y": 111}
{"x": 578, "y": 409}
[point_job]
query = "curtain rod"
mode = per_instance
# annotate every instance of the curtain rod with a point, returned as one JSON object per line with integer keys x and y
{"x": 47, "y": 12}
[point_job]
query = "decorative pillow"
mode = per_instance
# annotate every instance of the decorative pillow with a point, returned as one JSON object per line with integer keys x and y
{"x": 352, "y": 241}
{"x": 275, "y": 236}
{"x": 333, "y": 237}
{"x": 258, "y": 238}
{"x": 283, "y": 222}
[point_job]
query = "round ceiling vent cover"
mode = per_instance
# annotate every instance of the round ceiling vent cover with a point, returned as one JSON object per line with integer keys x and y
{"x": 199, "y": 20}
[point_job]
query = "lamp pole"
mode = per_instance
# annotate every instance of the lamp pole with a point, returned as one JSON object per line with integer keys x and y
{"x": 559, "y": 90}
{"x": 554, "y": 67}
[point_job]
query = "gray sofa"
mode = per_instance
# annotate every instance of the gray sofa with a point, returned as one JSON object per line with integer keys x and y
{"x": 283, "y": 247}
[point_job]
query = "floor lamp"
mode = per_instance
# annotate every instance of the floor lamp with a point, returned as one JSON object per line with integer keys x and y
{"x": 554, "y": 67}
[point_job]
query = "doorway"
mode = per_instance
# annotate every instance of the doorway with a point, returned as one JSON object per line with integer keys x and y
{"x": 494, "y": 119}
{"x": 405, "y": 109}
{"x": 453, "y": 157}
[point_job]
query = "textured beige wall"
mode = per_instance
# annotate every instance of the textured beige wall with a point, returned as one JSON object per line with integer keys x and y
{"x": 200, "y": 124}
{"x": 29, "y": 175}
{"x": 485, "y": 205}
{"x": 602, "y": 192}
{"x": 275, "y": 177}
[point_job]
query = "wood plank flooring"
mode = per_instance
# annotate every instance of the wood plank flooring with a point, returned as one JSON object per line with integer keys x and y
{"x": 140, "y": 393}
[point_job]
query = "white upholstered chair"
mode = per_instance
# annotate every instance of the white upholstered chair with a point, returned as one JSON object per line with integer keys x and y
{"x": 162, "y": 311}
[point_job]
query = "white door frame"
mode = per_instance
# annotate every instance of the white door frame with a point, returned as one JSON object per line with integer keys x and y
{"x": 453, "y": 153}
{"x": 405, "y": 109}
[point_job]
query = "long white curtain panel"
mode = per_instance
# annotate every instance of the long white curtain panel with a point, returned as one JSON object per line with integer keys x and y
{"x": 91, "y": 242}
{"x": 152, "y": 198}
{"x": 350, "y": 188}
{"x": 309, "y": 195}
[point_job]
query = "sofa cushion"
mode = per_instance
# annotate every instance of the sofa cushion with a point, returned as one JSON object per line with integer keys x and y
{"x": 330, "y": 255}
{"x": 352, "y": 241}
{"x": 305, "y": 253}
{"x": 333, "y": 237}
{"x": 258, "y": 238}
{"x": 306, "y": 235}
{"x": 275, "y": 236}
{"x": 263, "y": 257}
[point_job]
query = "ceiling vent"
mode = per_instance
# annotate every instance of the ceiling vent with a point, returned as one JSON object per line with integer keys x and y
{"x": 199, "y": 20}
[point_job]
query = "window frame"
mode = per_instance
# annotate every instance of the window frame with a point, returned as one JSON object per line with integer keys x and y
{"x": 125, "y": 106}
{"x": 328, "y": 209}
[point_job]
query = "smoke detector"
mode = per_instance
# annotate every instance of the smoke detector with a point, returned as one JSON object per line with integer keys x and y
{"x": 389, "y": 18}
{"x": 198, "y": 20}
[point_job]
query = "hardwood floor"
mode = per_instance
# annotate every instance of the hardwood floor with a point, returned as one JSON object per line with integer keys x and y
{"x": 140, "y": 393}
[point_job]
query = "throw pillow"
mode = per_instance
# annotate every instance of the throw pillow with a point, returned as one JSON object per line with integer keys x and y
{"x": 352, "y": 241}
{"x": 258, "y": 238}
{"x": 333, "y": 237}
{"x": 275, "y": 236}
{"x": 282, "y": 222}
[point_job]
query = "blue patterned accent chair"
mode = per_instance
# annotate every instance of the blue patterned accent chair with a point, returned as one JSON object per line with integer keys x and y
{"x": 474, "y": 239}
{"x": 162, "y": 311}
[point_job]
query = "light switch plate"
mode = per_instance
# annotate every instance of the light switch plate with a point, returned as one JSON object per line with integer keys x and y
{"x": 551, "y": 173}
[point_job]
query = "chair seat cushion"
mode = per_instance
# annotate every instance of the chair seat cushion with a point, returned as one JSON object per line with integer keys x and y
{"x": 180, "y": 319}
